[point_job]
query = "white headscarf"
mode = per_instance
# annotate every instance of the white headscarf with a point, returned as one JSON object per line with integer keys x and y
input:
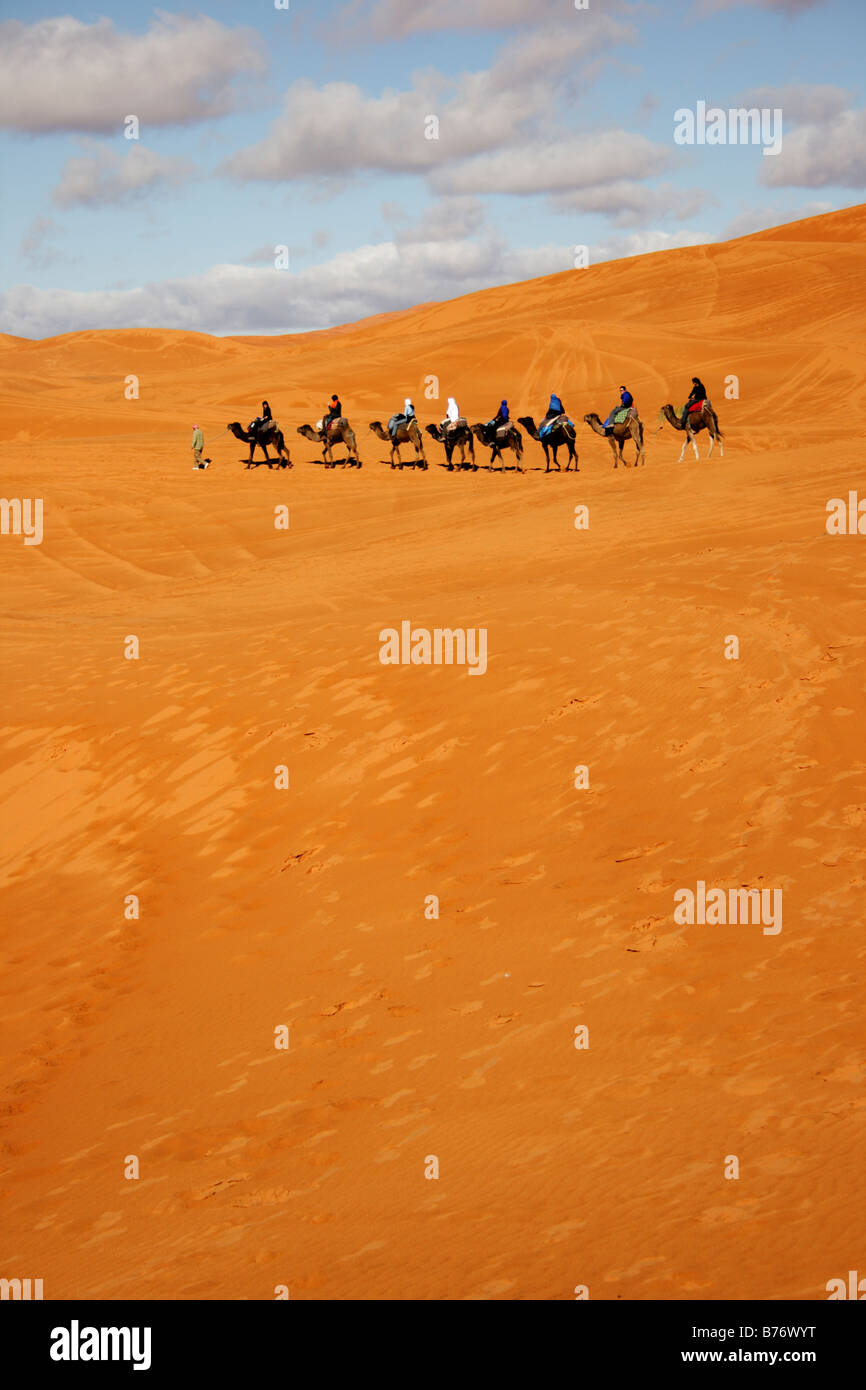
{"x": 408, "y": 407}
{"x": 453, "y": 413}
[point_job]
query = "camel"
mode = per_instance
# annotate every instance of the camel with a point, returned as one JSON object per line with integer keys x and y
{"x": 458, "y": 438}
{"x": 506, "y": 437}
{"x": 561, "y": 434}
{"x": 339, "y": 432}
{"x": 407, "y": 433}
{"x": 630, "y": 428}
{"x": 267, "y": 433}
{"x": 697, "y": 420}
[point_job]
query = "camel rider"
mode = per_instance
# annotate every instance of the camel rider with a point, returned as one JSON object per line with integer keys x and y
{"x": 500, "y": 418}
{"x": 261, "y": 419}
{"x": 555, "y": 409}
{"x": 626, "y": 401}
{"x": 452, "y": 414}
{"x": 334, "y": 412}
{"x": 408, "y": 413}
{"x": 697, "y": 393}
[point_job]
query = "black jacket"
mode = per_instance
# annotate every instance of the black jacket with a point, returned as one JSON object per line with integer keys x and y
{"x": 698, "y": 392}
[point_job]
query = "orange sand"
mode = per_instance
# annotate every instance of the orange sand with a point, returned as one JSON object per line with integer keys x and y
{"x": 453, "y": 1037}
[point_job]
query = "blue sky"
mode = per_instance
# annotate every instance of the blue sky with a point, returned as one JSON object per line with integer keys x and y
{"x": 305, "y": 127}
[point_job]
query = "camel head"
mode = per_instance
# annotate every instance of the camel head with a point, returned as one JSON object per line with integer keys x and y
{"x": 435, "y": 432}
{"x": 237, "y": 429}
{"x": 668, "y": 413}
{"x": 309, "y": 433}
{"x": 529, "y": 425}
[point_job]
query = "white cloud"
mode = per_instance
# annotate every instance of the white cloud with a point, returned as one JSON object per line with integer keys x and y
{"x": 789, "y": 7}
{"x": 643, "y": 244}
{"x": 33, "y": 249}
{"x": 449, "y": 219}
{"x": 338, "y": 130}
{"x": 577, "y": 161}
{"x": 822, "y": 154}
{"x": 630, "y": 204}
{"x": 757, "y": 219}
{"x": 804, "y": 102}
{"x": 63, "y": 74}
{"x": 397, "y": 18}
{"x": 105, "y": 177}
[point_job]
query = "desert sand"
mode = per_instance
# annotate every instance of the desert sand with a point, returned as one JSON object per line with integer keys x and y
{"x": 412, "y": 1036}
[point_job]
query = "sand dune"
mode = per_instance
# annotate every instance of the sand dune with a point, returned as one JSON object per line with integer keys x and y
{"x": 453, "y": 1037}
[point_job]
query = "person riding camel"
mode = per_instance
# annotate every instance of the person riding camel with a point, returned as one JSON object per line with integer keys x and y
{"x": 626, "y": 401}
{"x": 500, "y": 418}
{"x": 452, "y": 415}
{"x": 697, "y": 393}
{"x": 334, "y": 412}
{"x": 402, "y": 417}
{"x": 555, "y": 409}
{"x": 261, "y": 419}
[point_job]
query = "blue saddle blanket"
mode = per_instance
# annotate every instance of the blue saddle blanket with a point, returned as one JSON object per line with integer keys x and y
{"x": 549, "y": 425}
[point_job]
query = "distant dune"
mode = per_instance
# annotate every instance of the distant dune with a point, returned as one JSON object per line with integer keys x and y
{"x": 148, "y": 786}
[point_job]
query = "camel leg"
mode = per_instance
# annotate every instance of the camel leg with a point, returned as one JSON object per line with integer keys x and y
{"x": 695, "y": 447}
{"x": 712, "y": 445}
{"x": 683, "y": 449}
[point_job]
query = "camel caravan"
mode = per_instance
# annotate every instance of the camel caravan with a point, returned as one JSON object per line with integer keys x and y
{"x": 500, "y": 434}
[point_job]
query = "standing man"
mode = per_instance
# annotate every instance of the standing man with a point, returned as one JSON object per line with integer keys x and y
{"x": 197, "y": 447}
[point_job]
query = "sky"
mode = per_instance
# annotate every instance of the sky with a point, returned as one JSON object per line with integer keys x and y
{"x": 305, "y": 163}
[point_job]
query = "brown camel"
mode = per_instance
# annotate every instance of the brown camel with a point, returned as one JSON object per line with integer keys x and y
{"x": 505, "y": 437}
{"x": 267, "y": 433}
{"x": 630, "y": 428}
{"x": 339, "y": 432}
{"x": 407, "y": 433}
{"x": 703, "y": 419}
{"x": 561, "y": 434}
{"x": 459, "y": 437}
